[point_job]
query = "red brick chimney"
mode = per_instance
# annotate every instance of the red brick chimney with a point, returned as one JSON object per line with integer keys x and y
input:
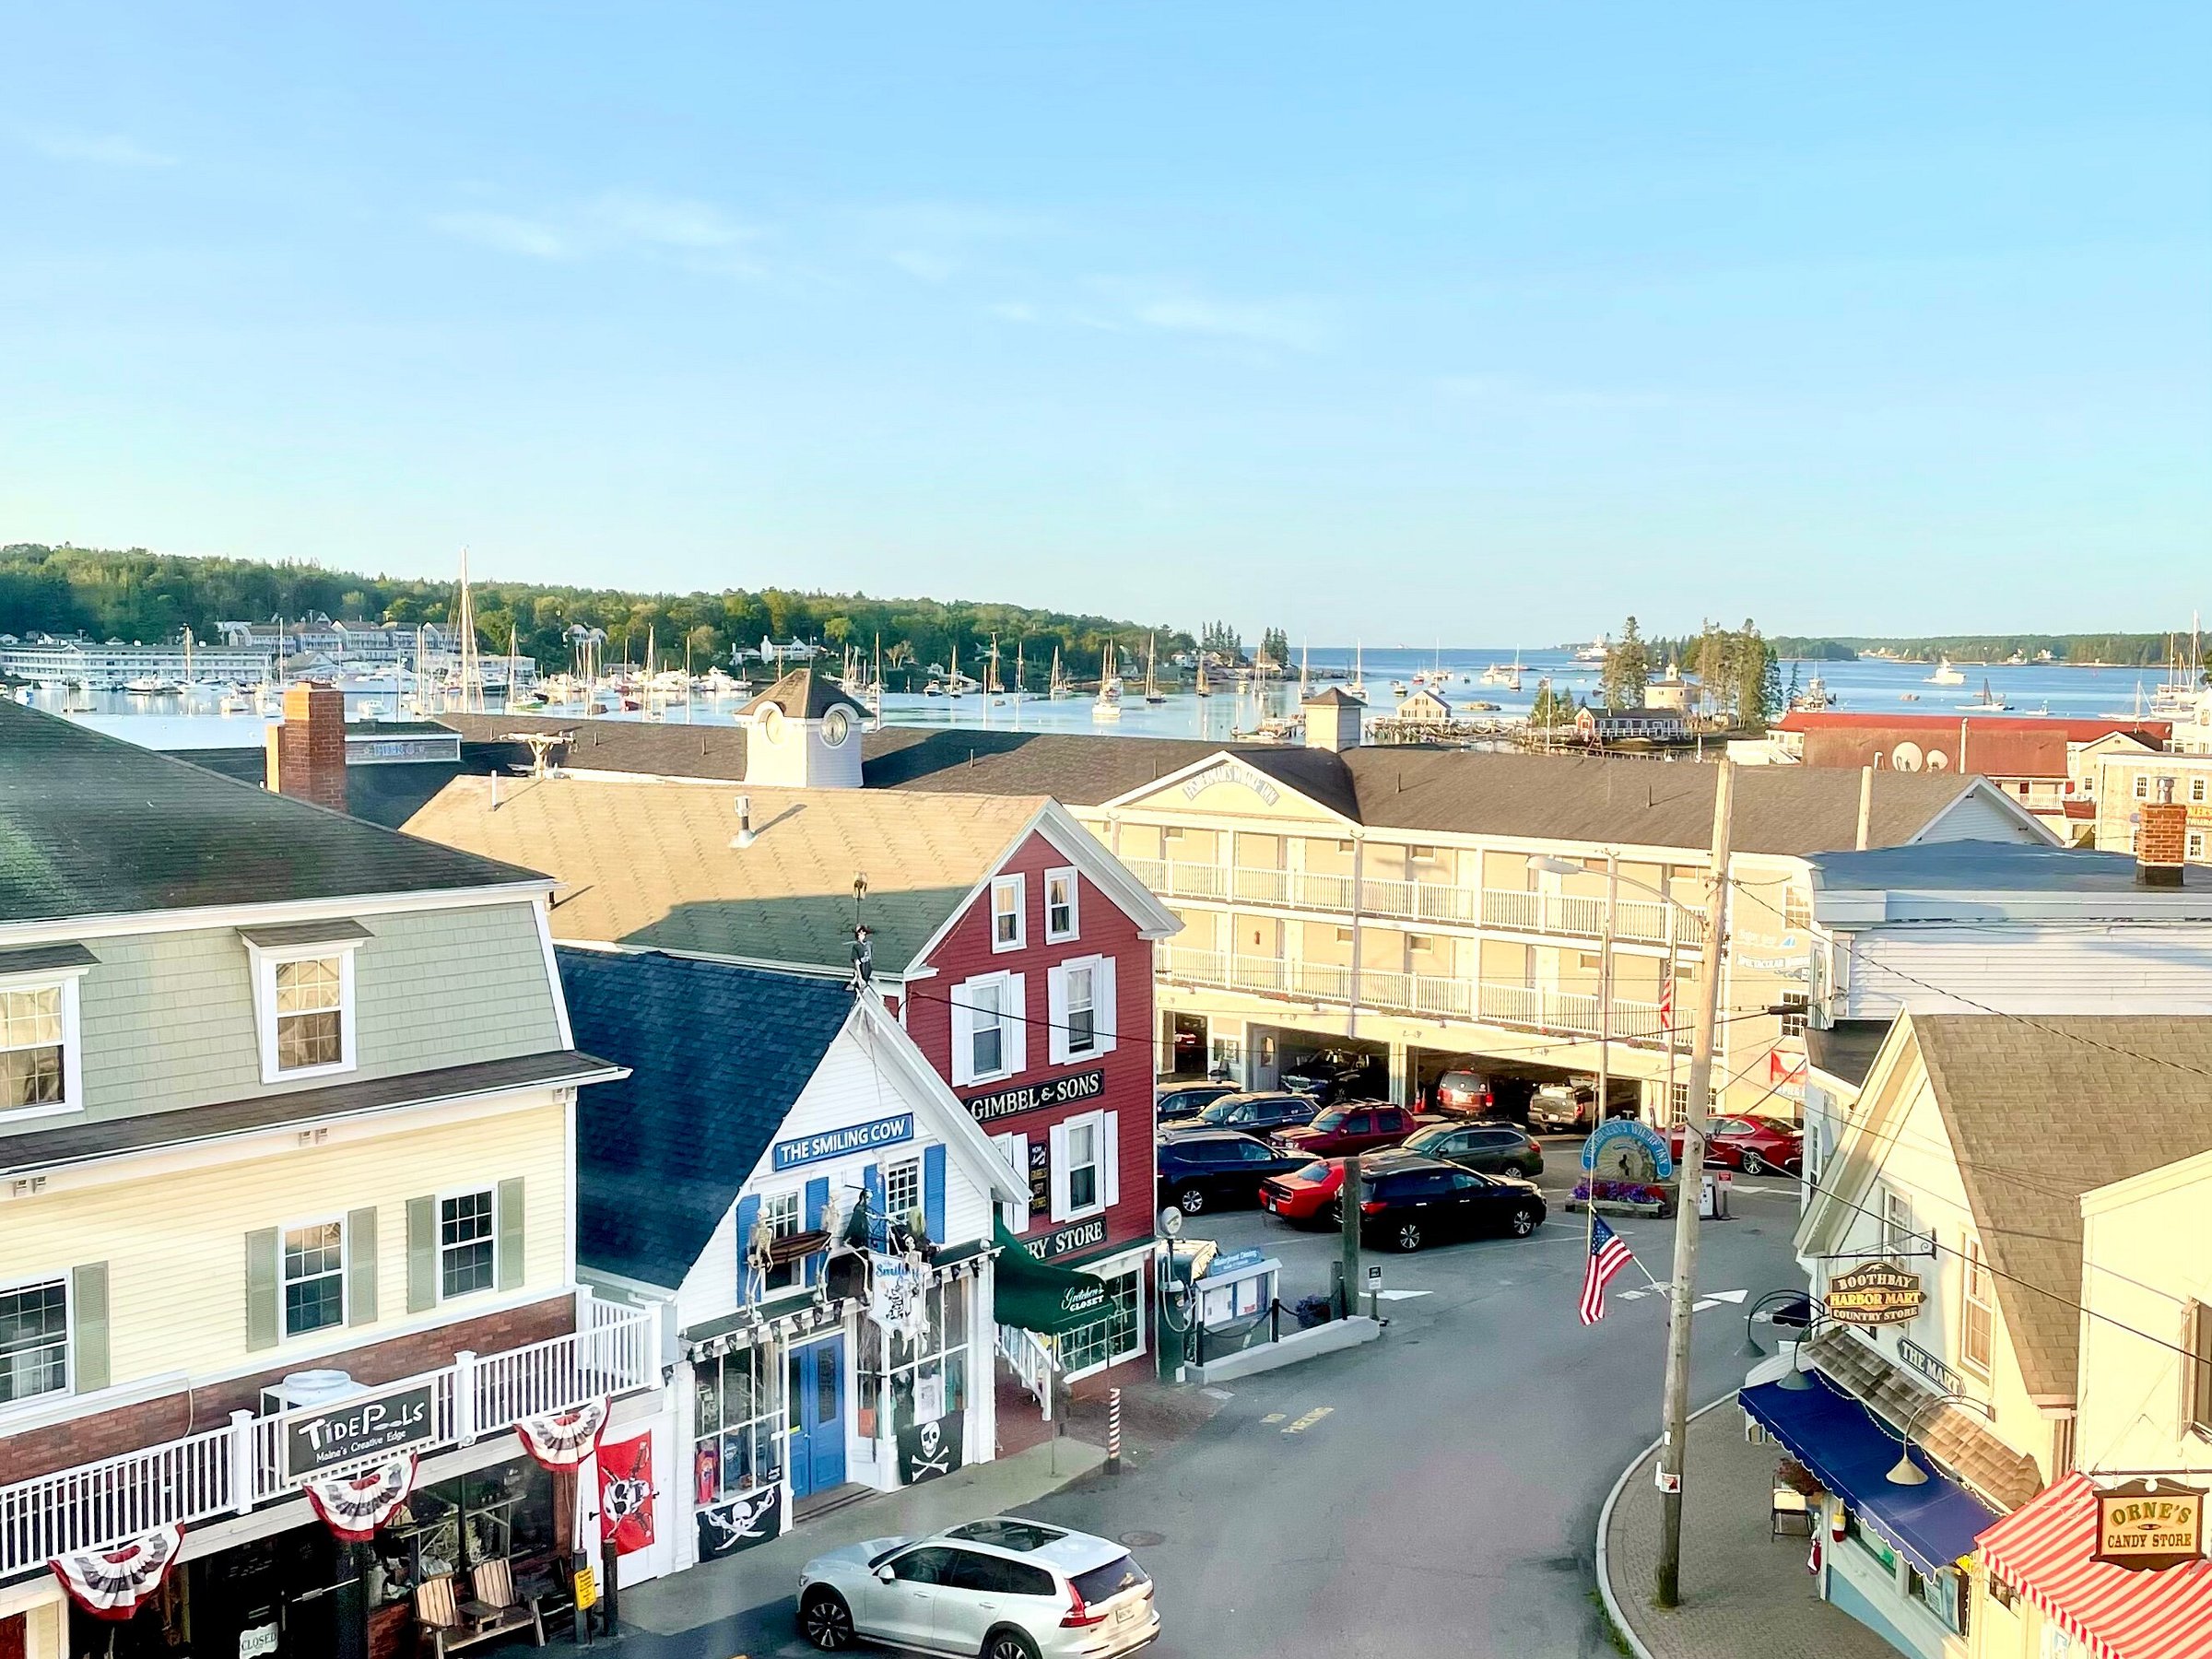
{"x": 307, "y": 747}
{"x": 2161, "y": 840}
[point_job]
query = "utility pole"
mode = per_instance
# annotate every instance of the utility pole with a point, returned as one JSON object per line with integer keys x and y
{"x": 1691, "y": 1176}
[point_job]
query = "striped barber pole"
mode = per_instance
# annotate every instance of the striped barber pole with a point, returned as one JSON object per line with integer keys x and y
{"x": 1113, "y": 1430}
{"x": 2044, "y": 1550}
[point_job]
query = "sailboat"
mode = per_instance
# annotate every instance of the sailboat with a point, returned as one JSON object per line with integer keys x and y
{"x": 1152, "y": 691}
{"x": 1107, "y": 705}
{"x": 1945, "y": 674}
{"x": 991, "y": 686}
{"x": 1989, "y": 702}
{"x": 1056, "y": 687}
{"x": 1358, "y": 684}
{"x": 1204, "y": 690}
{"x": 1305, "y": 670}
{"x": 1018, "y": 674}
{"x": 952, "y": 681}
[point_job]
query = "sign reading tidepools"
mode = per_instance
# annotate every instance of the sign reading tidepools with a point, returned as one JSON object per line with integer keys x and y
{"x": 358, "y": 1429}
{"x": 2149, "y": 1524}
{"x": 837, "y": 1143}
{"x": 1034, "y": 1097}
{"x": 1878, "y": 1294}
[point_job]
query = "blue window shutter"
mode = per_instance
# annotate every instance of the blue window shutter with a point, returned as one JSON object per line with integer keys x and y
{"x": 748, "y": 1212}
{"x": 817, "y": 1205}
{"x": 871, "y": 1181}
{"x": 933, "y": 1191}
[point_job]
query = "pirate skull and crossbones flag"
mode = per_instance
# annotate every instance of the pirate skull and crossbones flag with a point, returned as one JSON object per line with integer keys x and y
{"x": 562, "y": 1439}
{"x": 931, "y": 1449}
{"x": 746, "y": 1520}
{"x": 626, "y": 1494}
{"x": 355, "y": 1506}
{"x": 113, "y": 1582}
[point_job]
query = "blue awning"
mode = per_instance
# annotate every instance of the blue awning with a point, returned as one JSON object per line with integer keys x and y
{"x": 1852, "y": 1453}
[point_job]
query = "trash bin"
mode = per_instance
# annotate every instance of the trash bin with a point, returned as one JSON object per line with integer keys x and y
{"x": 1713, "y": 1197}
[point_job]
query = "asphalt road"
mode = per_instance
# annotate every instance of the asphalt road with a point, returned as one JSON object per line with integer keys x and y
{"x": 1434, "y": 1492}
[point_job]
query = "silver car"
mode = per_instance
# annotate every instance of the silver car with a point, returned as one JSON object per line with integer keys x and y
{"x": 1001, "y": 1588}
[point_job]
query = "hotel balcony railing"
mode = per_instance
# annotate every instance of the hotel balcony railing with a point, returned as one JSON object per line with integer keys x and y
{"x": 1637, "y": 921}
{"x": 1427, "y": 996}
{"x": 229, "y": 1470}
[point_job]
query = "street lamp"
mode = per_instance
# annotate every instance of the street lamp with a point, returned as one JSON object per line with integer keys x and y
{"x": 1751, "y": 1351}
{"x": 1908, "y": 1474}
{"x": 1797, "y": 1380}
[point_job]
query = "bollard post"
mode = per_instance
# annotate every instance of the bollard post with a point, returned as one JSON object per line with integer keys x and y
{"x": 1113, "y": 1431}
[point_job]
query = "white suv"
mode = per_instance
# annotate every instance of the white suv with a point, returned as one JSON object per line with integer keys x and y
{"x": 1002, "y": 1588}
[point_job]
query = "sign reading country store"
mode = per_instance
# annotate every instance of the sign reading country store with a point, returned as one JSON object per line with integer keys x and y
{"x": 2148, "y": 1525}
{"x": 838, "y": 1143}
{"x": 1035, "y": 1097}
{"x": 1878, "y": 1294}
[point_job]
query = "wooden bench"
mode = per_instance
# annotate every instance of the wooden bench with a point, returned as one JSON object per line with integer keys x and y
{"x": 492, "y": 1609}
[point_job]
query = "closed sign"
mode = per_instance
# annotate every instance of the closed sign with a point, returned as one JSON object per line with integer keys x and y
{"x": 258, "y": 1643}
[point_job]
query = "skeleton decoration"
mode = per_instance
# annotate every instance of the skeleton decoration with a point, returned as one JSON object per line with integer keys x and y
{"x": 354, "y": 1506}
{"x": 626, "y": 1494}
{"x": 746, "y": 1520}
{"x": 562, "y": 1439}
{"x": 110, "y": 1584}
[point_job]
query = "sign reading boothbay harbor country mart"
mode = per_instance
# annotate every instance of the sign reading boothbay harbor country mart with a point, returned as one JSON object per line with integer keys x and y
{"x": 1878, "y": 1294}
{"x": 1035, "y": 1097}
{"x": 2148, "y": 1525}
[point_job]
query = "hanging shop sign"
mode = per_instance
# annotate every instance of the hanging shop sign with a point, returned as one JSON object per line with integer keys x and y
{"x": 931, "y": 1449}
{"x": 1880, "y": 1293}
{"x": 839, "y": 1143}
{"x": 359, "y": 1428}
{"x": 2149, "y": 1524}
{"x": 626, "y": 1494}
{"x": 1918, "y": 1358}
{"x": 562, "y": 1439}
{"x": 1040, "y": 1176}
{"x": 1081, "y": 1236}
{"x": 355, "y": 1506}
{"x": 896, "y": 1302}
{"x": 1035, "y": 1097}
{"x": 746, "y": 1520}
{"x": 112, "y": 1582}
{"x": 1625, "y": 1144}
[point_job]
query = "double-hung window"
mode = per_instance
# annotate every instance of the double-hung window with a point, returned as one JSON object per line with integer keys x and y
{"x": 902, "y": 1189}
{"x": 2197, "y": 1402}
{"x": 781, "y": 1211}
{"x": 467, "y": 1243}
{"x": 1794, "y": 1004}
{"x": 1083, "y": 1175}
{"x": 988, "y": 1032}
{"x": 314, "y": 1277}
{"x": 34, "y": 1340}
{"x": 1083, "y": 1165}
{"x": 304, "y": 999}
{"x": 1009, "y": 927}
{"x": 33, "y": 1049}
{"x": 1898, "y": 1237}
{"x": 1060, "y": 918}
{"x": 1082, "y": 1008}
{"x": 987, "y": 1029}
{"x": 1974, "y": 1319}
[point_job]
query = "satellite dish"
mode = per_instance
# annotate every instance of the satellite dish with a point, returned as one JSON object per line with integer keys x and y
{"x": 1170, "y": 1223}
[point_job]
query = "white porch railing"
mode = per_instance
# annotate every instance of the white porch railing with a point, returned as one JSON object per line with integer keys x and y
{"x": 1032, "y": 1361}
{"x": 231, "y": 1469}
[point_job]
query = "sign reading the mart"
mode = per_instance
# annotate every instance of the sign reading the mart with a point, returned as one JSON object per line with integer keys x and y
{"x": 1878, "y": 1294}
{"x": 2149, "y": 1524}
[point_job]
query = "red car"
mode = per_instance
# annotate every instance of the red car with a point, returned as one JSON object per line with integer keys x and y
{"x": 1464, "y": 1093}
{"x": 1355, "y": 1127}
{"x": 1752, "y": 1145}
{"x": 1305, "y": 1197}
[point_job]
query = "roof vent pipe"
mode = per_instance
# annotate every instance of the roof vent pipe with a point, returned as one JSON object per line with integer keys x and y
{"x": 745, "y": 837}
{"x": 1866, "y": 808}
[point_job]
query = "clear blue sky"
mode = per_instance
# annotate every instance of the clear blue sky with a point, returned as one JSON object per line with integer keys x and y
{"x": 1392, "y": 321}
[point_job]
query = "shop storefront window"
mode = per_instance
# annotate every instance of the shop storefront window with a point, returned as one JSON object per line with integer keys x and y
{"x": 1116, "y": 1335}
{"x": 738, "y": 1401}
{"x": 1943, "y": 1594}
{"x": 931, "y": 1381}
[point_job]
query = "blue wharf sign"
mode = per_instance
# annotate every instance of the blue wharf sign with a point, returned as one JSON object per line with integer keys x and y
{"x": 838, "y": 1143}
{"x": 1640, "y": 1134}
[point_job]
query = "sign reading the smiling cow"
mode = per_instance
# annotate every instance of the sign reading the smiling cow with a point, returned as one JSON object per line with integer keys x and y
{"x": 1878, "y": 1294}
{"x": 2149, "y": 1524}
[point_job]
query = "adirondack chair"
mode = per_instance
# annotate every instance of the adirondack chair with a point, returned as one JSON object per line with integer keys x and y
{"x": 493, "y": 1610}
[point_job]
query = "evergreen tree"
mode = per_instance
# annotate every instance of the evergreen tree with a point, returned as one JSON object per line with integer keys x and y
{"x": 1628, "y": 669}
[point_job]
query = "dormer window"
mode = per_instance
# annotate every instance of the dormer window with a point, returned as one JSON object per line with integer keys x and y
{"x": 304, "y": 998}
{"x": 39, "y": 1045}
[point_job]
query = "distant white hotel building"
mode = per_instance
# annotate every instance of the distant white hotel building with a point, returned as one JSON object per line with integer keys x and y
{"x": 114, "y": 664}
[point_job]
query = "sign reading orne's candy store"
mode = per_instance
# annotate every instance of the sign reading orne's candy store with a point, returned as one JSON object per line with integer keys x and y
{"x": 2149, "y": 1524}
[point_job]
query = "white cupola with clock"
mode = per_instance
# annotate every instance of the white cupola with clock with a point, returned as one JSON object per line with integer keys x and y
{"x": 802, "y": 732}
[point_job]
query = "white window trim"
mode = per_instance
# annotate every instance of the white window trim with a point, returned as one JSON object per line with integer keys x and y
{"x": 912, "y": 1160}
{"x": 1015, "y": 1150}
{"x": 1013, "y": 1046}
{"x": 1106, "y": 1125}
{"x": 73, "y": 1047}
{"x": 31, "y": 1403}
{"x": 1074, "y": 930}
{"x": 492, "y": 1191}
{"x": 1119, "y": 1267}
{"x": 265, "y": 960}
{"x": 284, "y": 1331}
{"x": 1104, "y": 1010}
{"x": 1018, "y": 886}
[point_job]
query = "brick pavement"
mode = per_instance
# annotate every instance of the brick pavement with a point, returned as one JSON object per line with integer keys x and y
{"x": 1743, "y": 1593}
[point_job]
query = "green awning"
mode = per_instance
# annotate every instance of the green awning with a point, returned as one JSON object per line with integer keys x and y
{"x": 1036, "y": 1296}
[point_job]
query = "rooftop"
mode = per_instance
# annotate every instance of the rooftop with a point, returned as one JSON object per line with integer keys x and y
{"x": 1982, "y": 880}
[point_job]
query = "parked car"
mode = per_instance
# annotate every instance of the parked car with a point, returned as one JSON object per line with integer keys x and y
{"x": 1330, "y": 1076}
{"x": 1355, "y": 1127}
{"x": 1487, "y": 1148}
{"x": 1305, "y": 1197}
{"x": 1202, "y": 1169}
{"x": 1557, "y": 1108}
{"x": 1410, "y": 1201}
{"x": 1174, "y": 1102}
{"x": 1463, "y": 1094}
{"x": 1752, "y": 1145}
{"x": 1259, "y": 1114}
{"x": 1002, "y": 1588}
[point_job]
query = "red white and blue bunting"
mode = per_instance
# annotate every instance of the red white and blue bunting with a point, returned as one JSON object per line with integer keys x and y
{"x": 562, "y": 1439}
{"x": 355, "y": 1506}
{"x": 112, "y": 1583}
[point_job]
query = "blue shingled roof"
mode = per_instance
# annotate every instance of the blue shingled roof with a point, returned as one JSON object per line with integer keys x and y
{"x": 718, "y": 1055}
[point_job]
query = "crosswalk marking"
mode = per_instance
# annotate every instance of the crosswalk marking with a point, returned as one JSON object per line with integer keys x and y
{"x": 1400, "y": 1295}
{"x": 1275, "y": 1417}
{"x": 1311, "y": 1419}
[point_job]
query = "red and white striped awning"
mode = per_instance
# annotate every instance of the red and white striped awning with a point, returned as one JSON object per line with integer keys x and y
{"x": 2043, "y": 1551}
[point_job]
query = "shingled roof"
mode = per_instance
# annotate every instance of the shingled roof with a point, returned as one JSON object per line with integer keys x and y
{"x": 803, "y": 695}
{"x": 661, "y": 1154}
{"x": 94, "y": 825}
{"x": 2041, "y": 1110}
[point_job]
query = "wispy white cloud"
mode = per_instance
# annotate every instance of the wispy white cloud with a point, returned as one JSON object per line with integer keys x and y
{"x": 101, "y": 149}
{"x": 1508, "y": 389}
{"x": 1014, "y": 310}
{"x": 928, "y": 266}
{"x": 695, "y": 234}
{"x": 506, "y": 233}
{"x": 1291, "y": 324}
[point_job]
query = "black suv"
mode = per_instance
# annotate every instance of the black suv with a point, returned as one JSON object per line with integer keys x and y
{"x": 1213, "y": 1168}
{"x": 1175, "y": 1102}
{"x": 1258, "y": 1113}
{"x": 1486, "y": 1148}
{"x": 1409, "y": 1201}
{"x": 1331, "y": 1075}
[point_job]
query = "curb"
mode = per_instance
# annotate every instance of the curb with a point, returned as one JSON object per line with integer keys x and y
{"x": 1604, "y": 1525}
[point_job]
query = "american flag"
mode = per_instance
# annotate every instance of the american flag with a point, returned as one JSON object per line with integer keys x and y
{"x": 1666, "y": 1004}
{"x": 1608, "y": 1255}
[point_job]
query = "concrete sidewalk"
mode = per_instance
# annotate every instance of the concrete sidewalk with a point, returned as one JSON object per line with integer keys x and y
{"x": 1745, "y": 1594}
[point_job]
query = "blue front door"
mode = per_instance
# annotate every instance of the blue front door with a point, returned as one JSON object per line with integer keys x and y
{"x": 815, "y": 1376}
